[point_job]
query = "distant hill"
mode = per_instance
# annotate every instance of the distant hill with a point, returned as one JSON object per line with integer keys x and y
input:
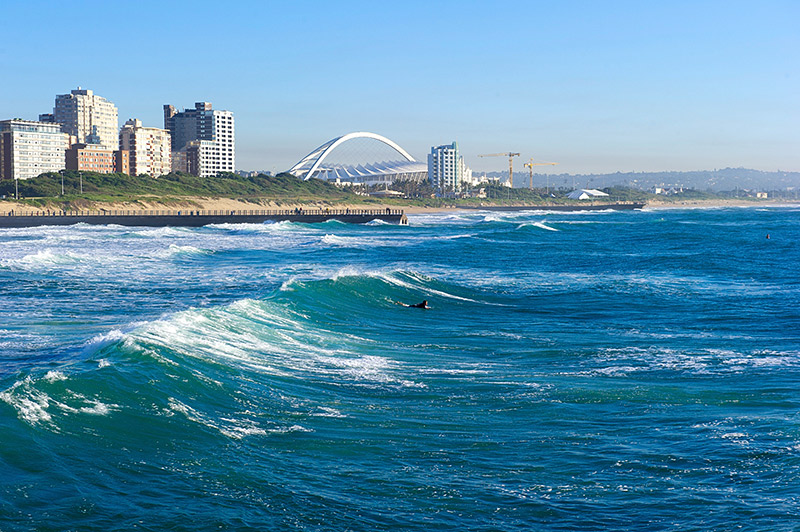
{"x": 716, "y": 180}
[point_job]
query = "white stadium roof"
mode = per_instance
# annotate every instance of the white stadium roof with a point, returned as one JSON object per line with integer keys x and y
{"x": 370, "y": 173}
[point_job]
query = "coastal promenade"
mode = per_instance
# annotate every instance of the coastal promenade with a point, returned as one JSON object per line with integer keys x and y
{"x": 197, "y": 218}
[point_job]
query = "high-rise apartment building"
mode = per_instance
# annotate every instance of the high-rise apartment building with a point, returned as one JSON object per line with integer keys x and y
{"x": 90, "y": 118}
{"x": 203, "y": 139}
{"x": 446, "y": 168}
{"x": 150, "y": 148}
{"x": 28, "y": 149}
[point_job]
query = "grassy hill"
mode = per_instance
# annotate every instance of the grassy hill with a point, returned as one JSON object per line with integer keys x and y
{"x": 122, "y": 187}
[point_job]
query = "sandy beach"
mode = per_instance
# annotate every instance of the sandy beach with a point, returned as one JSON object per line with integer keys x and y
{"x": 201, "y": 203}
{"x": 210, "y": 204}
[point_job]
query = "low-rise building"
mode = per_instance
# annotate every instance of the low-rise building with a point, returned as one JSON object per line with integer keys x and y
{"x": 29, "y": 148}
{"x": 90, "y": 158}
{"x": 122, "y": 162}
{"x": 149, "y": 148}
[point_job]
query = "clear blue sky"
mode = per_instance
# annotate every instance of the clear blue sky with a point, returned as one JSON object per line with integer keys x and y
{"x": 598, "y": 86}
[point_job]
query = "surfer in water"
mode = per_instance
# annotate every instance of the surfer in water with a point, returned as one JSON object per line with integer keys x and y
{"x": 424, "y": 304}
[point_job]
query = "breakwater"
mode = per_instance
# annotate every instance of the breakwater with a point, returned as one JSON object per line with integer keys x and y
{"x": 198, "y": 218}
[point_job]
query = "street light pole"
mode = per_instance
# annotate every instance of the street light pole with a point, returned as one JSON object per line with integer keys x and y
{"x": 16, "y": 187}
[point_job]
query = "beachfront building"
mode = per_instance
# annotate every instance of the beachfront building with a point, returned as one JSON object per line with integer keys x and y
{"x": 122, "y": 162}
{"x": 90, "y": 158}
{"x": 29, "y": 148}
{"x": 150, "y": 148}
{"x": 203, "y": 139}
{"x": 446, "y": 168}
{"x": 90, "y": 118}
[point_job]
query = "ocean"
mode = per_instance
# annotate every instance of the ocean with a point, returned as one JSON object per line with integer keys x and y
{"x": 576, "y": 371}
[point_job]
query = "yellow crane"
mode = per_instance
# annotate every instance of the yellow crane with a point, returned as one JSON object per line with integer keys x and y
{"x": 530, "y": 166}
{"x": 510, "y": 164}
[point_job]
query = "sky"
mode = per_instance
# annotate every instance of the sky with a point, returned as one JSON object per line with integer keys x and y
{"x": 597, "y": 86}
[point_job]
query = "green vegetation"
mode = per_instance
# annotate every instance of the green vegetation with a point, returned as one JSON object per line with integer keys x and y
{"x": 172, "y": 187}
{"x": 180, "y": 188}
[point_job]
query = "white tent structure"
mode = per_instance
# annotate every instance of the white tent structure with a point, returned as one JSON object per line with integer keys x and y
{"x": 585, "y": 193}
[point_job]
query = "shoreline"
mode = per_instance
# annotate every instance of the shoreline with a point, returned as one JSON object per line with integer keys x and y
{"x": 204, "y": 203}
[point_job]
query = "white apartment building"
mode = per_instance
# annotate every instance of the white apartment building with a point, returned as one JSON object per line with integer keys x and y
{"x": 90, "y": 118}
{"x": 446, "y": 168}
{"x": 150, "y": 148}
{"x": 203, "y": 139}
{"x": 28, "y": 149}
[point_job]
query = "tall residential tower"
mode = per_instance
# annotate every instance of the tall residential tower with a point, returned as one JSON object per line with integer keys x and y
{"x": 446, "y": 168}
{"x": 90, "y": 118}
{"x": 149, "y": 148}
{"x": 203, "y": 139}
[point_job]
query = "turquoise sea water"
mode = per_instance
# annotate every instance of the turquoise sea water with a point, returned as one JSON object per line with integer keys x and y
{"x": 578, "y": 371}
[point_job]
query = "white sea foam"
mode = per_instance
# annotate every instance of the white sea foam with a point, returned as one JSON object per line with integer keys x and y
{"x": 391, "y": 278}
{"x": 267, "y": 227}
{"x": 97, "y": 408}
{"x": 291, "y": 428}
{"x": 734, "y": 435}
{"x": 364, "y": 367}
{"x": 435, "y": 219}
{"x": 111, "y": 336}
{"x": 54, "y": 376}
{"x": 342, "y": 241}
{"x": 34, "y": 406}
{"x": 175, "y": 250}
{"x": 325, "y": 411}
{"x": 265, "y": 338}
{"x": 703, "y": 361}
{"x": 162, "y": 232}
{"x": 616, "y": 371}
{"x": 31, "y": 405}
{"x": 236, "y": 429}
{"x": 47, "y": 257}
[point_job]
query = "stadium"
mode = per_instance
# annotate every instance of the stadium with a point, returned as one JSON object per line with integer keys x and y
{"x": 361, "y": 167}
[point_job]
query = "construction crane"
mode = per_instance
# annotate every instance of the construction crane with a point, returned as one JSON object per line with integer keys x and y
{"x": 530, "y": 166}
{"x": 510, "y": 164}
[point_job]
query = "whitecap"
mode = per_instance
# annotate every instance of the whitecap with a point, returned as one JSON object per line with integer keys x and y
{"x": 111, "y": 336}
{"x": 325, "y": 411}
{"x": 53, "y": 376}
{"x": 540, "y": 225}
{"x": 175, "y": 250}
{"x": 97, "y": 408}
{"x": 344, "y": 241}
{"x": 31, "y": 405}
{"x": 47, "y": 257}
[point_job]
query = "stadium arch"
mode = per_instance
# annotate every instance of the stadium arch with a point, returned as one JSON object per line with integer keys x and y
{"x": 310, "y": 166}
